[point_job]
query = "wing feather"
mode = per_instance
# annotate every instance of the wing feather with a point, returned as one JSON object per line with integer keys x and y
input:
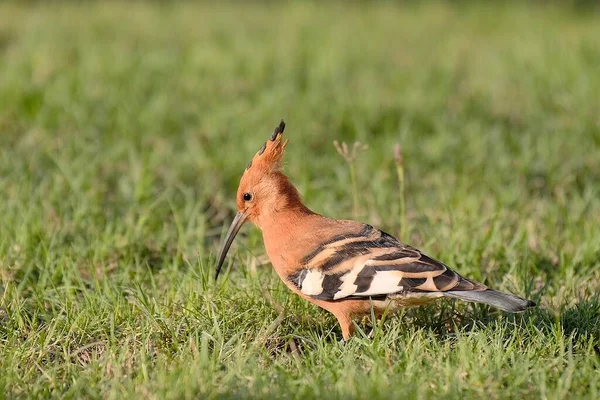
{"x": 371, "y": 263}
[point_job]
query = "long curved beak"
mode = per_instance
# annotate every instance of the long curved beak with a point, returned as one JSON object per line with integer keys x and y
{"x": 237, "y": 223}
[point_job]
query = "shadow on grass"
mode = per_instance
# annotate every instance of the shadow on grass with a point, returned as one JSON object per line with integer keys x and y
{"x": 445, "y": 320}
{"x": 580, "y": 321}
{"x": 583, "y": 321}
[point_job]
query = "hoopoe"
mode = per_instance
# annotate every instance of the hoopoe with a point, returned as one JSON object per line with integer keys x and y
{"x": 345, "y": 267}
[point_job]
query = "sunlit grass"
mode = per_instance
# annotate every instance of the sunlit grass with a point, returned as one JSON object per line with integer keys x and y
{"x": 125, "y": 128}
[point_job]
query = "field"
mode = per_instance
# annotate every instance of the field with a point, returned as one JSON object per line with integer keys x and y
{"x": 124, "y": 130}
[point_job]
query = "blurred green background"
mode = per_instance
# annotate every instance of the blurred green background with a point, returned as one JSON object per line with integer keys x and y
{"x": 124, "y": 130}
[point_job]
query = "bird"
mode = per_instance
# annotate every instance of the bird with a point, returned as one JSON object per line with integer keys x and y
{"x": 348, "y": 268}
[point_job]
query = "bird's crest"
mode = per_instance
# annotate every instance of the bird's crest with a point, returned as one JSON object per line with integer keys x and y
{"x": 268, "y": 158}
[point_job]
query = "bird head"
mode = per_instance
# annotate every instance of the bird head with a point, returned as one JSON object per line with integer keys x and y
{"x": 263, "y": 191}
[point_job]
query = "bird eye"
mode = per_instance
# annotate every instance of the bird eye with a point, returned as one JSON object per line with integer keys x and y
{"x": 247, "y": 197}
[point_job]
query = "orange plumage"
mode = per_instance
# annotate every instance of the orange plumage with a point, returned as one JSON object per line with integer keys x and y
{"x": 344, "y": 267}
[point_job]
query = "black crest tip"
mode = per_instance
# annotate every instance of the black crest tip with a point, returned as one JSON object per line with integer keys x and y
{"x": 262, "y": 149}
{"x": 278, "y": 130}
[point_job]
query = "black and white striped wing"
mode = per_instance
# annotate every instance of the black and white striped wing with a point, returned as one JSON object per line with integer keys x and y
{"x": 372, "y": 263}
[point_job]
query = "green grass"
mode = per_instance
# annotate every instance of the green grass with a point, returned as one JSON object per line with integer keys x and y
{"x": 124, "y": 129}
